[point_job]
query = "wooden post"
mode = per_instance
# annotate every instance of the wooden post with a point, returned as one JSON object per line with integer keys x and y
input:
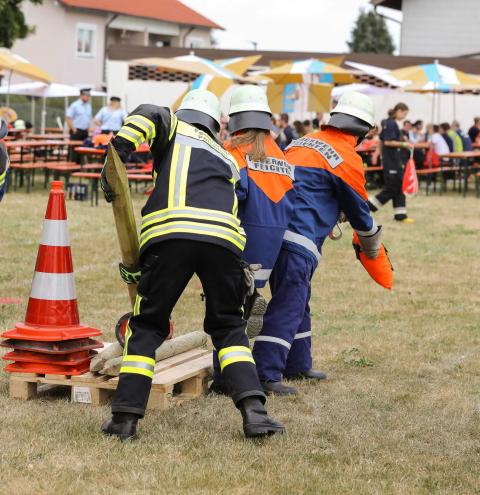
{"x": 123, "y": 214}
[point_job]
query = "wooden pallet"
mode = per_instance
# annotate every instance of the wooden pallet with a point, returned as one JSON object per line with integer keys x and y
{"x": 176, "y": 379}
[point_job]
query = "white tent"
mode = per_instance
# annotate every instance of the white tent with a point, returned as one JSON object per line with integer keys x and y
{"x": 366, "y": 89}
{"x": 44, "y": 91}
{"x": 379, "y": 73}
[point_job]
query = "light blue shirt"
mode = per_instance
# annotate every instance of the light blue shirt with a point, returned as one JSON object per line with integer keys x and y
{"x": 81, "y": 114}
{"x": 112, "y": 120}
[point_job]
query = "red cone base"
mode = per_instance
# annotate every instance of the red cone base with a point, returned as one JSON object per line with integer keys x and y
{"x": 64, "y": 347}
{"x": 47, "y": 369}
{"x": 23, "y": 331}
{"x": 73, "y": 359}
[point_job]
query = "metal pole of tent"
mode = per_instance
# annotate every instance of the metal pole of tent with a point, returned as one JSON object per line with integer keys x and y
{"x": 32, "y": 110}
{"x": 8, "y": 89}
{"x": 454, "y": 106}
{"x": 44, "y": 114}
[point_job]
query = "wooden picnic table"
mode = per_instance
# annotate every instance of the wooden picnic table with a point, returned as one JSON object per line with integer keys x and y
{"x": 465, "y": 158}
{"x": 53, "y": 130}
{"x": 59, "y": 169}
{"x": 94, "y": 178}
{"x": 23, "y": 145}
{"x": 56, "y": 136}
{"x": 86, "y": 150}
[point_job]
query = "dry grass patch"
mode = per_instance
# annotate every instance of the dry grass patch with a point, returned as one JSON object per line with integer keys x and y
{"x": 399, "y": 414}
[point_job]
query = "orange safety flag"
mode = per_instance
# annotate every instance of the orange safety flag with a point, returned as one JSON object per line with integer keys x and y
{"x": 380, "y": 268}
{"x": 410, "y": 179}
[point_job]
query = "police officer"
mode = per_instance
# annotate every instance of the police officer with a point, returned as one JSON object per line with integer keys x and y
{"x": 189, "y": 225}
{"x": 3, "y": 159}
{"x": 392, "y": 145}
{"x": 110, "y": 117}
{"x": 265, "y": 193}
{"x": 79, "y": 116}
{"x": 329, "y": 178}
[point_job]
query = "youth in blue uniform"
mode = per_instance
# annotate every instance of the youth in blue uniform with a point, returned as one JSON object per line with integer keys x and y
{"x": 265, "y": 194}
{"x": 329, "y": 179}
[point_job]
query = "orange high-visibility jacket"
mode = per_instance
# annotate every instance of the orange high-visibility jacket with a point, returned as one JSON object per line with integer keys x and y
{"x": 266, "y": 196}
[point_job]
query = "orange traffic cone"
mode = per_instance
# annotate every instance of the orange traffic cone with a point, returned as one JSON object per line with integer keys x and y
{"x": 52, "y": 311}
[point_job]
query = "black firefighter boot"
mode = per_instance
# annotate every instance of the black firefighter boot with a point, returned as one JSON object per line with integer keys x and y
{"x": 122, "y": 425}
{"x": 256, "y": 421}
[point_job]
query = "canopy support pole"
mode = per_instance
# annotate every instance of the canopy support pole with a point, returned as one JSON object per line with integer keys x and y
{"x": 32, "y": 110}
{"x": 44, "y": 114}
{"x": 8, "y": 90}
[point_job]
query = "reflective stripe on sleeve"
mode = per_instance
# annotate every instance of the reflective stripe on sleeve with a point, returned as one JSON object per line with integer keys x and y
{"x": 303, "y": 335}
{"x": 274, "y": 340}
{"x": 303, "y": 241}
{"x": 2, "y": 177}
{"x": 143, "y": 123}
{"x": 53, "y": 286}
{"x": 366, "y": 233}
{"x": 262, "y": 274}
{"x": 234, "y": 354}
{"x": 55, "y": 233}
{"x": 139, "y": 365}
{"x": 135, "y": 137}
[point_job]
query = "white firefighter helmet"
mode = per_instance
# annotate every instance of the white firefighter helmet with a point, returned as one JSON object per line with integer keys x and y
{"x": 249, "y": 109}
{"x": 357, "y": 105}
{"x": 202, "y": 107}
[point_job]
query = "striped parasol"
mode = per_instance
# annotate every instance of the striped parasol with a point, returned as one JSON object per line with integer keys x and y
{"x": 309, "y": 71}
{"x": 190, "y": 64}
{"x": 435, "y": 78}
{"x": 218, "y": 85}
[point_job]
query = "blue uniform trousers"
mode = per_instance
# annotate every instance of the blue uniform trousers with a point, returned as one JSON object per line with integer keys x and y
{"x": 284, "y": 345}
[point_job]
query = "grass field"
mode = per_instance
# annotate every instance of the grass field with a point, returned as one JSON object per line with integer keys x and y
{"x": 400, "y": 413}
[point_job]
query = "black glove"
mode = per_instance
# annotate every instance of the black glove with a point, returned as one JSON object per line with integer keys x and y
{"x": 129, "y": 275}
{"x": 106, "y": 187}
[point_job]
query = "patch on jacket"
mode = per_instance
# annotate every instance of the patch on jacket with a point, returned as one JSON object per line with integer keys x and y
{"x": 332, "y": 157}
{"x": 272, "y": 165}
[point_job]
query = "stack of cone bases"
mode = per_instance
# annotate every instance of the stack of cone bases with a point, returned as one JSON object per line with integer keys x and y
{"x": 52, "y": 340}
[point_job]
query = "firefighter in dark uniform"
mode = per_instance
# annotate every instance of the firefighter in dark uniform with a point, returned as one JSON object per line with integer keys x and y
{"x": 189, "y": 225}
{"x": 392, "y": 145}
{"x": 3, "y": 159}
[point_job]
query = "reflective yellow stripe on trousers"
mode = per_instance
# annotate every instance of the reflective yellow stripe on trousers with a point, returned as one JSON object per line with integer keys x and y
{"x": 234, "y": 354}
{"x": 139, "y": 365}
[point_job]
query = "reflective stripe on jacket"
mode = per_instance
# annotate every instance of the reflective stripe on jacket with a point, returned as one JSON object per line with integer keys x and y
{"x": 266, "y": 196}
{"x": 194, "y": 192}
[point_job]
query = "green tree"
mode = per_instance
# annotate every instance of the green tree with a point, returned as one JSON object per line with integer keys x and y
{"x": 12, "y": 22}
{"x": 370, "y": 35}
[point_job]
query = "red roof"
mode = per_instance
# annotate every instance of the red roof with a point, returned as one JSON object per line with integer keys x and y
{"x": 161, "y": 10}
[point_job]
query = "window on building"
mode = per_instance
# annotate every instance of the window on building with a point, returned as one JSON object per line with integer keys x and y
{"x": 195, "y": 42}
{"x": 86, "y": 40}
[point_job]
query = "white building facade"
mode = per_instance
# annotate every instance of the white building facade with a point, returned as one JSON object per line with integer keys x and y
{"x": 71, "y": 37}
{"x": 438, "y": 28}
